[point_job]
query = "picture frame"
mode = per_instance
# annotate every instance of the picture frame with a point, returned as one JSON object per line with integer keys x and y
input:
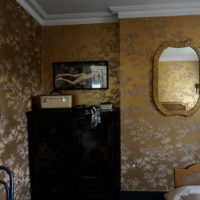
{"x": 80, "y": 75}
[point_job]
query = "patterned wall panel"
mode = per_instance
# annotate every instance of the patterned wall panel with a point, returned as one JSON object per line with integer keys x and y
{"x": 155, "y": 143}
{"x": 20, "y": 78}
{"x": 83, "y": 43}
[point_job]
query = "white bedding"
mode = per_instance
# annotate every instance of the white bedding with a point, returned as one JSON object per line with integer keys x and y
{"x": 184, "y": 193}
{"x": 192, "y": 197}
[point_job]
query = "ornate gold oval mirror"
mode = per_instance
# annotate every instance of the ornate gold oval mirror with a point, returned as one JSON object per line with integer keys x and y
{"x": 176, "y": 78}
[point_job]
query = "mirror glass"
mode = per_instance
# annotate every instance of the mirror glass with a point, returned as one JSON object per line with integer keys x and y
{"x": 177, "y": 79}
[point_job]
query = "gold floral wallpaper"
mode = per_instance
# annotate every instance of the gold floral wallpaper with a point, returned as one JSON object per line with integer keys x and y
{"x": 20, "y": 78}
{"x": 155, "y": 143}
{"x": 93, "y": 42}
{"x": 177, "y": 82}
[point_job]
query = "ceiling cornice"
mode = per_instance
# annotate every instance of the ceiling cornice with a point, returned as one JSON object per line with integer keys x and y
{"x": 115, "y": 13}
{"x": 155, "y": 10}
{"x": 80, "y": 18}
{"x": 35, "y": 10}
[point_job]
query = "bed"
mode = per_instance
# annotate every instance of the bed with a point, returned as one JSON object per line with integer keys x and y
{"x": 187, "y": 184}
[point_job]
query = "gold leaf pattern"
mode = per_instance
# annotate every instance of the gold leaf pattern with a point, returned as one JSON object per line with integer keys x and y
{"x": 156, "y": 143}
{"x": 83, "y": 43}
{"x": 20, "y": 78}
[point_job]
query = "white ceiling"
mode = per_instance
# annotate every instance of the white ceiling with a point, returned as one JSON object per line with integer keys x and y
{"x": 86, "y": 6}
{"x": 61, "y": 12}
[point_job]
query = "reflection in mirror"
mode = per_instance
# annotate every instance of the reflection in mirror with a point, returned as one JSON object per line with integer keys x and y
{"x": 178, "y": 76}
{"x": 177, "y": 79}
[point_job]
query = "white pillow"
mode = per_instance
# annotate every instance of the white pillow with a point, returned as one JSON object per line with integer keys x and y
{"x": 181, "y": 192}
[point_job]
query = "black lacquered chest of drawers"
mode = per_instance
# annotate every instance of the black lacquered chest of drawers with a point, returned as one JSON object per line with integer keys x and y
{"x": 70, "y": 159}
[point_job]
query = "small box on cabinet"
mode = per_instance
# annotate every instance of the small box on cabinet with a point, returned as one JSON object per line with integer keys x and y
{"x": 50, "y": 102}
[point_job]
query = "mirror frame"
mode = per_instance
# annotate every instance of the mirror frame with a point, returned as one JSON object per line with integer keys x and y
{"x": 155, "y": 78}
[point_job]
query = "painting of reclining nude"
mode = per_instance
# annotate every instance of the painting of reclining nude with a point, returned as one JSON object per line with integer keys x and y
{"x": 80, "y": 75}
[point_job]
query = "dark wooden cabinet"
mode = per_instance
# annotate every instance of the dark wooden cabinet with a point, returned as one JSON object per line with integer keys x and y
{"x": 69, "y": 159}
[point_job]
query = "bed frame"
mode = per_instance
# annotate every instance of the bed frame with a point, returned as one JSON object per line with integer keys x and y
{"x": 9, "y": 187}
{"x": 188, "y": 176}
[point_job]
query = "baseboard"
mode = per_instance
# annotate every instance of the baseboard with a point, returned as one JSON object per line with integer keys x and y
{"x": 142, "y": 195}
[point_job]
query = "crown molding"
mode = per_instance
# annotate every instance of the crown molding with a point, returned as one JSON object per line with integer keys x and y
{"x": 80, "y": 18}
{"x": 155, "y": 10}
{"x": 115, "y": 13}
{"x": 35, "y": 10}
{"x": 178, "y": 58}
{"x": 39, "y": 8}
{"x": 98, "y": 20}
{"x": 32, "y": 11}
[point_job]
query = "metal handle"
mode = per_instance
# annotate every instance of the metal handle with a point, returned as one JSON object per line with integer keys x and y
{"x": 47, "y": 99}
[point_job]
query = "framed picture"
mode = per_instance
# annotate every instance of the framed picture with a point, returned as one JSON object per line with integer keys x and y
{"x": 80, "y": 75}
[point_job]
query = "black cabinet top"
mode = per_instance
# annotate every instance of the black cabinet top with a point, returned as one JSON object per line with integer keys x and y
{"x": 73, "y": 112}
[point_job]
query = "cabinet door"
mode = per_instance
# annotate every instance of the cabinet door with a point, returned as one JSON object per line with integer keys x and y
{"x": 94, "y": 149}
{"x": 70, "y": 158}
{"x": 94, "y": 162}
{"x": 52, "y": 147}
